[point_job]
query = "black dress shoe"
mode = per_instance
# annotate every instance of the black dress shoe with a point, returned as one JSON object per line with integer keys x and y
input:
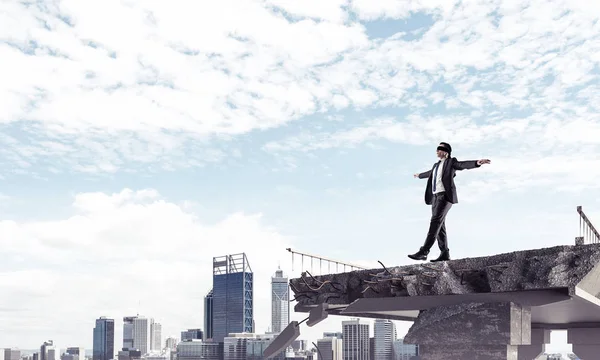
{"x": 420, "y": 255}
{"x": 444, "y": 256}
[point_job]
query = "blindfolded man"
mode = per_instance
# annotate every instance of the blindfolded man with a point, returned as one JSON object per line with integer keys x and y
{"x": 441, "y": 194}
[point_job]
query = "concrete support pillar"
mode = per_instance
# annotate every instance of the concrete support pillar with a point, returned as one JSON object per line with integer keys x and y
{"x": 539, "y": 339}
{"x": 490, "y": 331}
{"x": 585, "y": 341}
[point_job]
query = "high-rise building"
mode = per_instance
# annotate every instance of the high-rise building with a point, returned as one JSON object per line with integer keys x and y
{"x": 142, "y": 334}
{"x": 330, "y": 348}
{"x": 128, "y": 333}
{"x": 384, "y": 337}
{"x": 155, "y": 336}
{"x": 404, "y": 351}
{"x": 137, "y": 334}
{"x": 355, "y": 343}
{"x": 208, "y": 316}
{"x": 232, "y": 296}
{"x": 48, "y": 351}
{"x": 192, "y": 334}
{"x": 12, "y": 354}
{"x": 280, "y": 302}
{"x": 104, "y": 339}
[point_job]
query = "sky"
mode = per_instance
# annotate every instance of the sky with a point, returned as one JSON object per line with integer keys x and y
{"x": 141, "y": 138}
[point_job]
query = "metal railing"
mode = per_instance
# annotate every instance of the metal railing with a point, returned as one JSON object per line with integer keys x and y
{"x": 587, "y": 232}
{"x": 317, "y": 262}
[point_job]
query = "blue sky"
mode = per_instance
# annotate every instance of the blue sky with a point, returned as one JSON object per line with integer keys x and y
{"x": 141, "y": 139}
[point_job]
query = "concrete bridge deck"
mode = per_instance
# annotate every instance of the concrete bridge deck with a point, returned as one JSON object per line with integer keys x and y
{"x": 518, "y": 294}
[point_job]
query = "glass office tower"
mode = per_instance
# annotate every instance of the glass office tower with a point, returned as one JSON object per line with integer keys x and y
{"x": 232, "y": 296}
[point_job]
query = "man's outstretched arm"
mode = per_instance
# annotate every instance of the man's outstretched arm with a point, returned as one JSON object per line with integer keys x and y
{"x": 424, "y": 175}
{"x": 469, "y": 164}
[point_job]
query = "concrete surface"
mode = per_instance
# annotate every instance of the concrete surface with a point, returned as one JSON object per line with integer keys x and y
{"x": 484, "y": 308}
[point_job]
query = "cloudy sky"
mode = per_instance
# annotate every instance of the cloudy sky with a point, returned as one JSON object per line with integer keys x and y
{"x": 141, "y": 138}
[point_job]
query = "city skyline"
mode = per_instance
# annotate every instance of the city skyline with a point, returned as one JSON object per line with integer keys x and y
{"x": 140, "y": 139}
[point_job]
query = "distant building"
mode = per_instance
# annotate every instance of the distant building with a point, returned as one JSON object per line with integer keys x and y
{"x": 199, "y": 350}
{"x": 11, "y": 354}
{"x": 384, "y": 335}
{"x": 235, "y": 346}
{"x": 232, "y": 301}
{"x": 255, "y": 347}
{"x": 171, "y": 344}
{"x": 299, "y": 345}
{"x": 142, "y": 334}
{"x": 155, "y": 336}
{"x": 130, "y": 354}
{"x": 128, "y": 332}
{"x": 280, "y": 302}
{"x": 300, "y": 355}
{"x": 330, "y": 348}
{"x": 48, "y": 351}
{"x": 139, "y": 334}
{"x": 338, "y": 335}
{"x": 404, "y": 351}
{"x": 164, "y": 355}
{"x": 356, "y": 341}
{"x": 192, "y": 334}
{"x": 208, "y": 316}
{"x": 371, "y": 348}
{"x": 73, "y": 353}
{"x": 104, "y": 339}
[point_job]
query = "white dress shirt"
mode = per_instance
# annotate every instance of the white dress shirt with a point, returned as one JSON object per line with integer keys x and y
{"x": 439, "y": 186}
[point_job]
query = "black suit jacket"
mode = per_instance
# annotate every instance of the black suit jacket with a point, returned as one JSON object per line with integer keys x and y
{"x": 450, "y": 167}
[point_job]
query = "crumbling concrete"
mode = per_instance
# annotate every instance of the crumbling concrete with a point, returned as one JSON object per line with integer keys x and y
{"x": 477, "y": 308}
{"x": 561, "y": 267}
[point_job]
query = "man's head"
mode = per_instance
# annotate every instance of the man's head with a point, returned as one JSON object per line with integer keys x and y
{"x": 444, "y": 150}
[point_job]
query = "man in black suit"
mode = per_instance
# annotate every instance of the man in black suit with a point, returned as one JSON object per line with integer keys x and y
{"x": 441, "y": 194}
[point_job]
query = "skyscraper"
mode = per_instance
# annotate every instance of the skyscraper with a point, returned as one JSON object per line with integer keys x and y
{"x": 104, "y": 339}
{"x": 155, "y": 336}
{"x": 137, "y": 333}
{"x": 280, "y": 302}
{"x": 385, "y": 335}
{"x": 142, "y": 334}
{"x": 208, "y": 315}
{"x": 356, "y": 340}
{"x": 128, "y": 332}
{"x": 232, "y": 296}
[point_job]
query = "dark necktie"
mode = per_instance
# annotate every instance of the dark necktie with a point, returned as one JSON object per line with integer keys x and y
{"x": 435, "y": 175}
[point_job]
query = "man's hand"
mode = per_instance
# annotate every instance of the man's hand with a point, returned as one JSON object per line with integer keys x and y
{"x": 416, "y": 176}
{"x": 483, "y": 161}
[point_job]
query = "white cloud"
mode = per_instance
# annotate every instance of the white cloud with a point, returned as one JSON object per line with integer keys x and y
{"x": 117, "y": 251}
{"x": 164, "y": 80}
